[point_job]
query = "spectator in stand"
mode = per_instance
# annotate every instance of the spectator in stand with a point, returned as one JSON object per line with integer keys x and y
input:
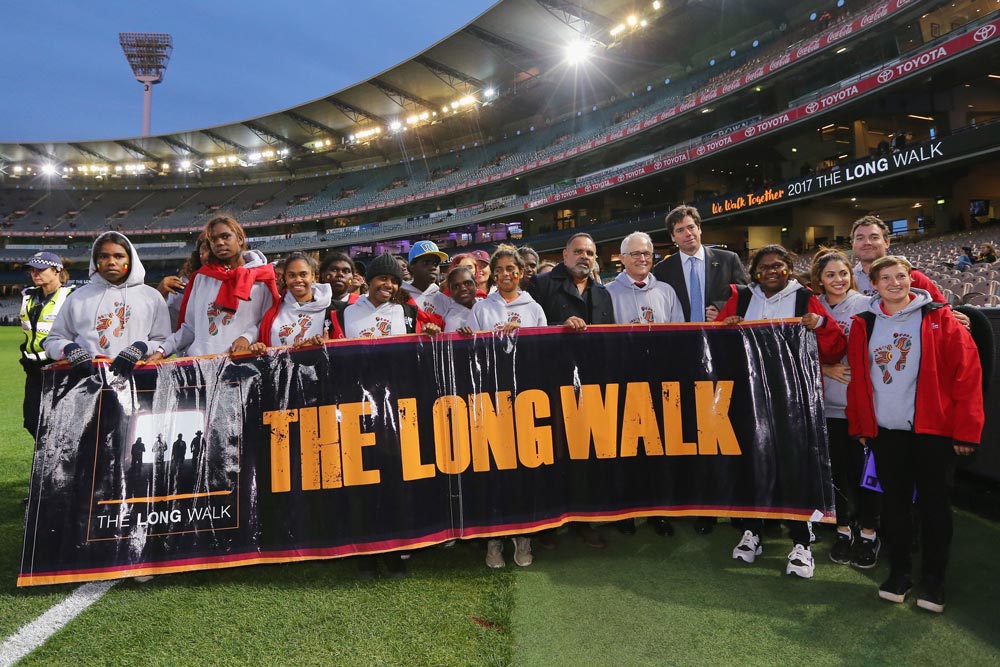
{"x": 462, "y": 287}
{"x": 299, "y": 317}
{"x": 530, "y": 258}
{"x": 965, "y": 260}
{"x": 40, "y": 304}
{"x": 505, "y": 311}
{"x": 116, "y": 315}
{"x": 226, "y": 298}
{"x": 916, "y": 398}
{"x": 639, "y": 298}
{"x": 773, "y": 295}
{"x": 425, "y": 262}
{"x": 571, "y": 299}
{"x": 856, "y": 506}
{"x": 987, "y": 253}
{"x": 701, "y": 278}
{"x": 337, "y": 271}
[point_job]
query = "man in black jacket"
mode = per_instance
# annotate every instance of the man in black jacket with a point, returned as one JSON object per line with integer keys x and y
{"x": 700, "y": 276}
{"x": 571, "y": 298}
{"x": 567, "y": 293}
{"x": 714, "y": 269}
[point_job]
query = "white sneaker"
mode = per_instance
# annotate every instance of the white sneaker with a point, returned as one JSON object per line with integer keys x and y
{"x": 522, "y": 551}
{"x": 749, "y": 548}
{"x": 494, "y": 554}
{"x": 143, "y": 579}
{"x": 800, "y": 562}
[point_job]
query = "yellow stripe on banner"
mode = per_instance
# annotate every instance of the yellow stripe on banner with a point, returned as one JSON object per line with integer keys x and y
{"x": 158, "y": 499}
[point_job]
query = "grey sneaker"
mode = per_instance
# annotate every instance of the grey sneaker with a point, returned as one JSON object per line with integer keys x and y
{"x": 522, "y": 551}
{"x": 494, "y": 554}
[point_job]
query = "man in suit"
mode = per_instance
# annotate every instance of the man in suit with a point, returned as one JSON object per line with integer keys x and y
{"x": 571, "y": 298}
{"x": 715, "y": 269}
{"x": 701, "y": 278}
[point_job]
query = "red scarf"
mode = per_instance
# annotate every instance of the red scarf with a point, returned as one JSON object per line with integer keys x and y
{"x": 235, "y": 287}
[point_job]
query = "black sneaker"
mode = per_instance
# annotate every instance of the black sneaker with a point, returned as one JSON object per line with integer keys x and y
{"x": 931, "y": 595}
{"x": 841, "y": 550}
{"x": 895, "y": 587}
{"x": 865, "y": 554}
{"x": 395, "y": 565}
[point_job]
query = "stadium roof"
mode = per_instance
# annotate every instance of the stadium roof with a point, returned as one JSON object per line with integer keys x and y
{"x": 443, "y": 91}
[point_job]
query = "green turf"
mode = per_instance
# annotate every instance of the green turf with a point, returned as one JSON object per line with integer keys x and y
{"x": 645, "y": 600}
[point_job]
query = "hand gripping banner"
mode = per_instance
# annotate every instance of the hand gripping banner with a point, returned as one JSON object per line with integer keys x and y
{"x": 373, "y": 445}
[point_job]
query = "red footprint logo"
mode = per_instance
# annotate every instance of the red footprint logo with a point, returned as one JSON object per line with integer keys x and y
{"x": 213, "y": 312}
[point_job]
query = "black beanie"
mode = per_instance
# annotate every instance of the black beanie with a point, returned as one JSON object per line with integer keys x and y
{"x": 384, "y": 265}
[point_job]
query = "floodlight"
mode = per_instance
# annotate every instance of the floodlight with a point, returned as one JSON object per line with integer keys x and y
{"x": 148, "y": 54}
{"x": 48, "y": 169}
{"x": 632, "y": 20}
{"x": 656, "y": 4}
{"x": 490, "y": 93}
{"x": 185, "y": 164}
{"x": 578, "y": 52}
{"x": 394, "y": 125}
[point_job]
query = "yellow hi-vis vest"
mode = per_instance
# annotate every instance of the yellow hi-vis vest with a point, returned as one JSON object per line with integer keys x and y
{"x": 36, "y": 331}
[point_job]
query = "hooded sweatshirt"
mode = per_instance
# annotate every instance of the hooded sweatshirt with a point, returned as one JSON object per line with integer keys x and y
{"x": 432, "y": 300}
{"x": 104, "y": 319}
{"x": 456, "y": 316}
{"x": 494, "y": 311}
{"x": 835, "y": 393}
{"x": 207, "y": 328}
{"x": 291, "y": 322}
{"x": 894, "y": 347}
{"x": 362, "y": 319}
{"x": 655, "y": 302}
{"x": 779, "y": 306}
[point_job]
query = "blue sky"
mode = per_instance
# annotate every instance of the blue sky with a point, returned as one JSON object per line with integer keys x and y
{"x": 65, "y": 78}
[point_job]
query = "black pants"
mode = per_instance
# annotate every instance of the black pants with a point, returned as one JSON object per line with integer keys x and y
{"x": 904, "y": 459}
{"x": 853, "y": 502}
{"x": 32, "y": 394}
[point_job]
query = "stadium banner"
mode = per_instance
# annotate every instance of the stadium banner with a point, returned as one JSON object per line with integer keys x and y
{"x": 372, "y": 445}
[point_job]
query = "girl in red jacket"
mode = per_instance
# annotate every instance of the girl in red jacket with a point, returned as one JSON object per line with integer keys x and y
{"x": 772, "y": 296}
{"x": 916, "y": 397}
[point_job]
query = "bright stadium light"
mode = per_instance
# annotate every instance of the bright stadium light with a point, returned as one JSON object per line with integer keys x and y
{"x": 656, "y": 4}
{"x": 578, "y": 52}
{"x": 48, "y": 169}
{"x": 148, "y": 54}
{"x": 490, "y": 93}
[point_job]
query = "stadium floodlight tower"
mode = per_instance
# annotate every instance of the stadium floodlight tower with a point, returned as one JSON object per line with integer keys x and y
{"x": 148, "y": 53}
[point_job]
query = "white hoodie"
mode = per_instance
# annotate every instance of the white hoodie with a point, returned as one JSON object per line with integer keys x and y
{"x": 104, "y": 319}
{"x": 363, "y": 320}
{"x": 209, "y": 330}
{"x": 780, "y": 306}
{"x": 494, "y": 311}
{"x": 456, "y": 315}
{"x": 297, "y": 322}
{"x": 432, "y": 300}
{"x": 654, "y": 303}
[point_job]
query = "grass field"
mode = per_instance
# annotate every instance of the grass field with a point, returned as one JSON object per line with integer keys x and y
{"x": 645, "y": 600}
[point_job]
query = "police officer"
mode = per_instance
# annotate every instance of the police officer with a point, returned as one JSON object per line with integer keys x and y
{"x": 39, "y": 306}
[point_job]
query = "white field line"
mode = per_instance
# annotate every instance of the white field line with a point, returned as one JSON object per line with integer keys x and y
{"x": 32, "y": 635}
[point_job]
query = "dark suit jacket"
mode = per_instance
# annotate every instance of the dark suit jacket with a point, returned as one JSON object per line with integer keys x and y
{"x": 722, "y": 269}
{"x": 560, "y": 298}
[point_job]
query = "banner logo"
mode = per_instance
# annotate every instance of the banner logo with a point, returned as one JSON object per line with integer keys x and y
{"x": 884, "y": 75}
{"x": 984, "y": 33}
{"x": 812, "y": 107}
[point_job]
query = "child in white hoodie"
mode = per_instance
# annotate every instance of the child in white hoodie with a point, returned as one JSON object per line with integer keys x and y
{"x": 115, "y": 316}
{"x": 505, "y": 311}
{"x": 300, "y": 317}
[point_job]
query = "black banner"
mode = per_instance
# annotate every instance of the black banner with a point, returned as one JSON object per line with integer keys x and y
{"x": 382, "y": 444}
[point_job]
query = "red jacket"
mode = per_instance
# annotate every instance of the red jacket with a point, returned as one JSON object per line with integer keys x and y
{"x": 830, "y": 338}
{"x": 949, "y": 399}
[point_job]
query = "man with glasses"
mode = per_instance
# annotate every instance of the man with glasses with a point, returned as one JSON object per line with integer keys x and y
{"x": 701, "y": 278}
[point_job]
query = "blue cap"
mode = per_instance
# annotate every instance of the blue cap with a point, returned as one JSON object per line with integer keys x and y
{"x": 45, "y": 260}
{"x": 421, "y": 248}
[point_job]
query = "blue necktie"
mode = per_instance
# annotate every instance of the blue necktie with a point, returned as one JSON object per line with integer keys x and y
{"x": 697, "y": 298}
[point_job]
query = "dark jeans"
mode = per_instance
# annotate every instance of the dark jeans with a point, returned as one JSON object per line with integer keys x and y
{"x": 905, "y": 459}
{"x": 797, "y": 530}
{"x": 853, "y": 502}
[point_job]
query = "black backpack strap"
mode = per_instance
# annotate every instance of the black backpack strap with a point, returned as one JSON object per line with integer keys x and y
{"x": 802, "y": 298}
{"x": 868, "y": 317}
{"x": 743, "y": 296}
{"x": 337, "y": 309}
{"x": 410, "y": 315}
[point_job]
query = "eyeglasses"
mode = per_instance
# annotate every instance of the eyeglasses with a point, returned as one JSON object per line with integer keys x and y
{"x": 640, "y": 254}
